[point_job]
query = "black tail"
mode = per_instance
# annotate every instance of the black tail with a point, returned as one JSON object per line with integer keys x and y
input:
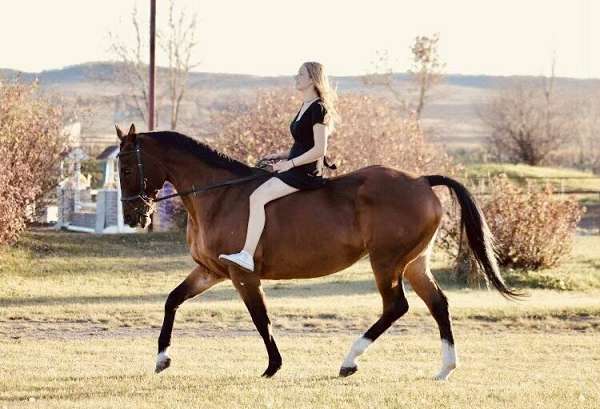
{"x": 479, "y": 236}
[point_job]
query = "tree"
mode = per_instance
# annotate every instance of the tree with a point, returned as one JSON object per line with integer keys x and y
{"x": 178, "y": 42}
{"x": 426, "y": 68}
{"x": 369, "y": 133}
{"x": 527, "y": 122}
{"x": 526, "y": 125}
{"x": 31, "y": 145}
{"x": 584, "y": 150}
{"x": 425, "y": 72}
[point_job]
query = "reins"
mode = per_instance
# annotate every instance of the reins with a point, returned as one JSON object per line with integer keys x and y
{"x": 194, "y": 190}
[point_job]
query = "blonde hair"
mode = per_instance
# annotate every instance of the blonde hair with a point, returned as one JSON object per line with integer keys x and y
{"x": 316, "y": 72}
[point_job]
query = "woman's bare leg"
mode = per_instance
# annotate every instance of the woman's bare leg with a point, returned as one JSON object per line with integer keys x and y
{"x": 272, "y": 189}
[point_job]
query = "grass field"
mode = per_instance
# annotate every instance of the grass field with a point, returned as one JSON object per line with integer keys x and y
{"x": 80, "y": 314}
{"x": 569, "y": 179}
{"x": 561, "y": 179}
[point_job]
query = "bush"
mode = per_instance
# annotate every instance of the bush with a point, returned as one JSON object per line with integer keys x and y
{"x": 371, "y": 132}
{"x": 30, "y": 149}
{"x": 533, "y": 228}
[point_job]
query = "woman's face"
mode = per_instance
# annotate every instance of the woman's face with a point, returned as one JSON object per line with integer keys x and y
{"x": 303, "y": 80}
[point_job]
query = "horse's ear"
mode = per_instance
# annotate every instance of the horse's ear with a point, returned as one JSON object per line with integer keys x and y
{"x": 119, "y": 132}
{"x": 131, "y": 130}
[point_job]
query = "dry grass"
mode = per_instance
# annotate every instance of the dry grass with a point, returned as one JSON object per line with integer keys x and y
{"x": 79, "y": 318}
{"x": 501, "y": 371}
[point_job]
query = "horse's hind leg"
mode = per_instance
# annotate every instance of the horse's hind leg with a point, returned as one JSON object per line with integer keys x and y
{"x": 250, "y": 290}
{"x": 425, "y": 286}
{"x": 198, "y": 281}
{"x": 395, "y": 306}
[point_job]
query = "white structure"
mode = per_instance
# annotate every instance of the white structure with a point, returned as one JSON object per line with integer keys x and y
{"x": 77, "y": 209}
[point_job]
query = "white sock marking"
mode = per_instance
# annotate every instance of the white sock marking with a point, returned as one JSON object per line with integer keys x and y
{"x": 162, "y": 357}
{"x": 449, "y": 360}
{"x": 358, "y": 347}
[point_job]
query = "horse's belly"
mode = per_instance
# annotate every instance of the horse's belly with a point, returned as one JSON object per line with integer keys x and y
{"x": 308, "y": 266}
{"x": 311, "y": 246}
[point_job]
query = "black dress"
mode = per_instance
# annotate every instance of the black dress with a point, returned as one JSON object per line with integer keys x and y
{"x": 308, "y": 175}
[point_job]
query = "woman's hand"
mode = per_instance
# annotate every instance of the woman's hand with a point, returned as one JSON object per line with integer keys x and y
{"x": 277, "y": 155}
{"x": 270, "y": 156}
{"x": 282, "y": 165}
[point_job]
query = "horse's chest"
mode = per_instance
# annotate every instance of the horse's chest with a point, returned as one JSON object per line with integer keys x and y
{"x": 198, "y": 242}
{"x": 203, "y": 244}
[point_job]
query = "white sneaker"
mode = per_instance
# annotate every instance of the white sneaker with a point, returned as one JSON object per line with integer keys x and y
{"x": 243, "y": 259}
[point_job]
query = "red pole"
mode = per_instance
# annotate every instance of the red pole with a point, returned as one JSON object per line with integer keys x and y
{"x": 152, "y": 65}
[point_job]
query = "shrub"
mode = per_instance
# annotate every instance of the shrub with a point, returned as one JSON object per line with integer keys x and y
{"x": 371, "y": 132}
{"x": 533, "y": 228}
{"x": 30, "y": 148}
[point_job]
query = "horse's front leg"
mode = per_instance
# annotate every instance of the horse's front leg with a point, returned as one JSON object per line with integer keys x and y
{"x": 198, "y": 281}
{"x": 250, "y": 290}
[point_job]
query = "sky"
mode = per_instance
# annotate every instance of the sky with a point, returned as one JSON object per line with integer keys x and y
{"x": 273, "y": 37}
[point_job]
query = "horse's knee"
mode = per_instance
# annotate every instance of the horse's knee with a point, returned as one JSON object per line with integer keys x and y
{"x": 399, "y": 307}
{"x": 174, "y": 300}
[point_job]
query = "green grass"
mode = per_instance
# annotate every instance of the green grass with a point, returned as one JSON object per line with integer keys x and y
{"x": 520, "y": 172}
{"x": 80, "y": 314}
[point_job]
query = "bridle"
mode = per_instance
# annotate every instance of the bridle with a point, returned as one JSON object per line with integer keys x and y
{"x": 141, "y": 194}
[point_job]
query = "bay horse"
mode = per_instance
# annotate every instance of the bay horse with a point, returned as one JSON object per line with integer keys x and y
{"x": 384, "y": 213}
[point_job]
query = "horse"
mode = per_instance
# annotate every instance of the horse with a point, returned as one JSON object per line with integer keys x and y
{"x": 387, "y": 214}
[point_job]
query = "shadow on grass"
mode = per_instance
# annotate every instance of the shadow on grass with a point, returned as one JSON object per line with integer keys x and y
{"x": 306, "y": 291}
{"x": 117, "y": 269}
{"x": 45, "y": 244}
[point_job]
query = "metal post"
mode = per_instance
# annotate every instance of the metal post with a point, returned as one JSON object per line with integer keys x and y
{"x": 151, "y": 81}
{"x": 152, "y": 66}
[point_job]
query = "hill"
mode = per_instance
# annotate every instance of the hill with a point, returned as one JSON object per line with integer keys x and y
{"x": 450, "y": 116}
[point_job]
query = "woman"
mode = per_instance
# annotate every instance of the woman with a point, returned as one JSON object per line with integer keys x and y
{"x": 302, "y": 167}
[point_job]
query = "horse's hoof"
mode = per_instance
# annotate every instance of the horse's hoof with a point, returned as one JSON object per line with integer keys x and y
{"x": 162, "y": 362}
{"x": 444, "y": 374}
{"x": 271, "y": 369}
{"x": 347, "y": 371}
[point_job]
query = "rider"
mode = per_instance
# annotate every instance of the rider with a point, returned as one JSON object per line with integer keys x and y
{"x": 302, "y": 167}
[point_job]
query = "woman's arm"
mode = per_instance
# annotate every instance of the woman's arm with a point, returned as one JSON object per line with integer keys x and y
{"x": 318, "y": 150}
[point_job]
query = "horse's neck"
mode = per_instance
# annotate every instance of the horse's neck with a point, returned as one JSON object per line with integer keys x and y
{"x": 185, "y": 172}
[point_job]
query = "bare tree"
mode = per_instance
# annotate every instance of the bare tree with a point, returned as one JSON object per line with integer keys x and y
{"x": 527, "y": 125}
{"x": 426, "y": 68}
{"x": 585, "y": 150}
{"x": 178, "y": 41}
{"x": 425, "y": 72}
{"x": 133, "y": 69}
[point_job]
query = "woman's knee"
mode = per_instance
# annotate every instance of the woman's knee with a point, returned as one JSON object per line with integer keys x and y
{"x": 263, "y": 193}
{"x": 259, "y": 197}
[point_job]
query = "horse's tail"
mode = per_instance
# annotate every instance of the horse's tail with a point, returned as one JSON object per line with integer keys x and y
{"x": 479, "y": 235}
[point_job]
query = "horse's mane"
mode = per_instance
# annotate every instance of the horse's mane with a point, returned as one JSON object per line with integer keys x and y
{"x": 199, "y": 150}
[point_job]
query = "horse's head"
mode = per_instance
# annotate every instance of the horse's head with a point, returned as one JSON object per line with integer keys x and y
{"x": 141, "y": 177}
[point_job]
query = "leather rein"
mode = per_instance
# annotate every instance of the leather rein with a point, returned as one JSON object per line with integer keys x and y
{"x": 195, "y": 190}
